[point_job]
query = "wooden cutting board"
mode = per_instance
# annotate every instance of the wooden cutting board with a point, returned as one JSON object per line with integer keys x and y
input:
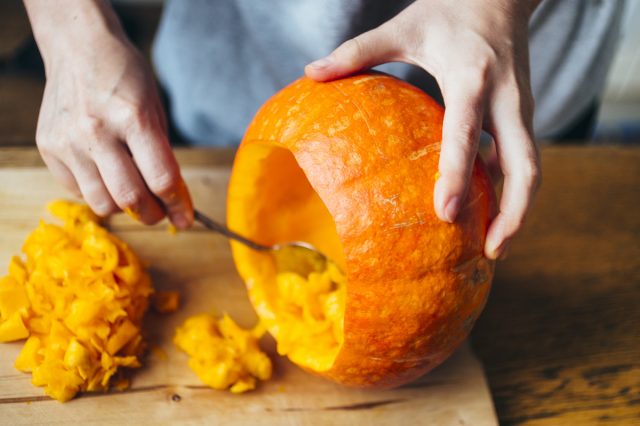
{"x": 165, "y": 391}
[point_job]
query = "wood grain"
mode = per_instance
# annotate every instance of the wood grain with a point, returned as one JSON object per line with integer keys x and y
{"x": 560, "y": 336}
{"x": 19, "y": 157}
{"x": 198, "y": 264}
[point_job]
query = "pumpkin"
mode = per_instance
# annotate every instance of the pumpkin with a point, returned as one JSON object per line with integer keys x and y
{"x": 350, "y": 166}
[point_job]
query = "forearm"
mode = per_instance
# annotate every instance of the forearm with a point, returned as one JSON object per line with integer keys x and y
{"x": 70, "y": 26}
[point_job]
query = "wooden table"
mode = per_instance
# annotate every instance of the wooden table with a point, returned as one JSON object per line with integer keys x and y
{"x": 560, "y": 337}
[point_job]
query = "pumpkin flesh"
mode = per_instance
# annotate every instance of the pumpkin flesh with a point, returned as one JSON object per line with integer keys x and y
{"x": 300, "y": 215}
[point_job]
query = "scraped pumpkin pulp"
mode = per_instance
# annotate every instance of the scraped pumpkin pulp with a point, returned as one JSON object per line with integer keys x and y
{"x": 309, "y": 311}
{"x": 78, "y": 298}
{"x": 222, "y": 354}
{"x": 303, "y": 311}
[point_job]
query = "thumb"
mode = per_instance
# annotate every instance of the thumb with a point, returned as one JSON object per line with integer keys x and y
{"x": 365, "y": 51}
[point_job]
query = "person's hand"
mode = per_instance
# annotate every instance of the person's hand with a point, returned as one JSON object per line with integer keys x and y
{"x": 477, "y": 51}
{"x": 102, "y": 130}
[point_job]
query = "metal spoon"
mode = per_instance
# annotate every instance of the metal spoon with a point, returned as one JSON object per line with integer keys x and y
{"x": 294, "y": 256}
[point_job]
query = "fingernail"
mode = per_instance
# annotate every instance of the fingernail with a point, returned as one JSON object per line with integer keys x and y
{"x": 321, "y": 63}
{"x": 451, "y": 209}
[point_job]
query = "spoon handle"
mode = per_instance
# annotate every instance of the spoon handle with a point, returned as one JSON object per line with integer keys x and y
{"x": 209, "y": 223}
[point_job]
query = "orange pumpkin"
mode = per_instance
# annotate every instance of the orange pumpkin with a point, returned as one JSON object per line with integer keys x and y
{"x": 350, "y": 166}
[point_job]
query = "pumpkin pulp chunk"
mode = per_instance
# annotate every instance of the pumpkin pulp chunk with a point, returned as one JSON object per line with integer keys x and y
{"x": 79, "y": 298}
{"x": 303, "y": 311}
{"x": 309, "y": 316}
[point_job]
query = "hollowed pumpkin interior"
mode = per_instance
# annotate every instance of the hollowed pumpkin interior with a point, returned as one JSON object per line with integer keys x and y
{"x": 271, "y": 200}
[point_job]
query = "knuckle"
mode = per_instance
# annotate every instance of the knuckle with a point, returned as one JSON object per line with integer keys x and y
{"x": 75, "y": 152}
{"x": 50, "y": 143}
{"x": 129, "y": 198}
{"x": 354, "y": 48}
{"x": 468, "y": 88}
{"x": 516, "y": 223}
{"x": 101, "y": 205}
{"x": 71, "y": 185}
{"x": 44, "y": 146}
{"x": 511, "y": 90}
{"x": 164, "y": 184}
{"x": 42, "y": 140}
{"x": 150, "y": 218}
{"x": 105, "y": 209}
{"x": 478, "y": 68}
{"x": 91, "y": 126}
{"x": 468, "y": 85}
{"x": 128, "y": 116}
{"x": 132, "y": 115}
{"x": 483, "y": 66}
{"x": 467, "y": 135}
{"x": 532, "y": 174}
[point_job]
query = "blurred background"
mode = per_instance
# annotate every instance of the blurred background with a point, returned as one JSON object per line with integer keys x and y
{"x": 22, "y": 73}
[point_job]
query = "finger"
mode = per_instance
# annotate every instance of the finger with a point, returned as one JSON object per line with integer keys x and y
{"x": 519, "y": 162}
{"x": 124, "y": 183}
{"x": 61, "y": 173}
{"x": 92, "y": 187}
{"x": 159, "y": 109}
{"x": 492, "y": 162}
{"x": 460, "y": 139}
{"x": 159, "y": 169}
{"x": 365, "y": 51}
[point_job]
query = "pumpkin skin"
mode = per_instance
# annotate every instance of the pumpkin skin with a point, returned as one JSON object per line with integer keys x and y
{"x": 350, "y": 167}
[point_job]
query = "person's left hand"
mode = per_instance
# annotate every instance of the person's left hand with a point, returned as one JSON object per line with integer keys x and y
{"x": 477, "y": 50}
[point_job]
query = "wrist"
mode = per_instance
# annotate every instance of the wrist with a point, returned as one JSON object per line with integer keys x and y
{"x": 62, "y": 27}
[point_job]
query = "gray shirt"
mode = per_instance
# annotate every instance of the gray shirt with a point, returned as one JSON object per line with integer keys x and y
{"x": 219, "y": 60}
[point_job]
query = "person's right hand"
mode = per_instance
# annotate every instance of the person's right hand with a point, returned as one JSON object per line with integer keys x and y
{"x": 102, "y": 129}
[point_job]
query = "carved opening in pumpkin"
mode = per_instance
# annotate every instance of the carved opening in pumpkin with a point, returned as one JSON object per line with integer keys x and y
{"x": 278, "y": 204}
